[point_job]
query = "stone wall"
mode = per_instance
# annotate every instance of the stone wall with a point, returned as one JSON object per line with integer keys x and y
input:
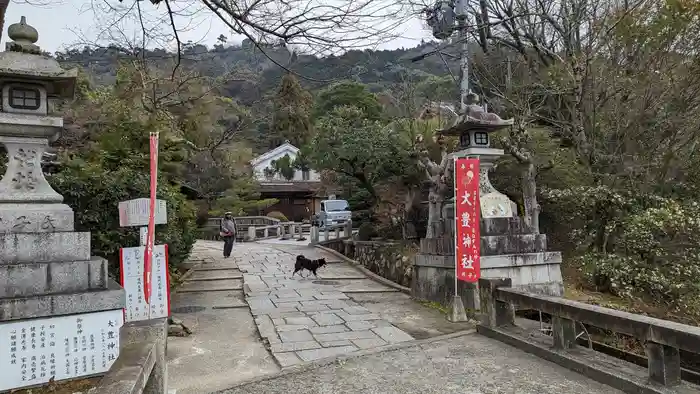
{"x": 337, "y": 244}
{"x": 385, "y": 259}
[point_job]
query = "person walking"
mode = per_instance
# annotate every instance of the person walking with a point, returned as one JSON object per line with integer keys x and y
{"x": 228, "y": 233}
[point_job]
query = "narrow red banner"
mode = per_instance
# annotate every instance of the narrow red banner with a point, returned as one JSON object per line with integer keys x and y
{"x": 150, "y": 235}
{"x": 467, "y": 219}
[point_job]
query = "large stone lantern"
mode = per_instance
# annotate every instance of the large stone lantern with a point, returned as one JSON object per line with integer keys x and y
{"x": 28, "y": 82}
{"x": 473, "y": 129}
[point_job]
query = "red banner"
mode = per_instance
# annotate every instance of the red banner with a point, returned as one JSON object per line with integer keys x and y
{"x": 150, "y": 235}
{"x": 467, "y": 219}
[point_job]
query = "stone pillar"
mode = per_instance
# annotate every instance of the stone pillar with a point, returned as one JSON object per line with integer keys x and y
{"x": 49, "y": 283}
{"x": 314, "y": 235}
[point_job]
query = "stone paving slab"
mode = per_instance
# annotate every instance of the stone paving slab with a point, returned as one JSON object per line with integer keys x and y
{"x": 471, "y": 364}
{"x": 301, "y": 320}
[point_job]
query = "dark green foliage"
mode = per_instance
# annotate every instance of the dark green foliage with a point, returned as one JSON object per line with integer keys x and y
{"x": 284, "y": 167}
{"x": 278, "y": 215}
{"x": 366, "y": 232}
{"x": 348, "y": 94}
{"x": 94, "y": 193}
{"x": 291, "y": 118}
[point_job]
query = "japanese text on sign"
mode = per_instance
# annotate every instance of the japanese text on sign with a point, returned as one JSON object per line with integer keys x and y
{"x": 132, "y": 266}
{"x": 58, "y": 347}
{"x": 467, "y": 215}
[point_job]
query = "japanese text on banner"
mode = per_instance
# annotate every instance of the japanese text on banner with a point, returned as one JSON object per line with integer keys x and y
{"x": 467, "y": 219}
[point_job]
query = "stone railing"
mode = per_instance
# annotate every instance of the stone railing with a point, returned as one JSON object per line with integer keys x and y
{"x": 261, "y": 225}
{"x": 141, "y": 366}
{"x": 263, "y": 232}
{"x": 331, "y": 233}
{"x": 294, "y": 229}
{"x": 663, "y": 340}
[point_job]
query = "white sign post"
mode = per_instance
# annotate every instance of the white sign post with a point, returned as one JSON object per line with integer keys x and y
{"x": 135, "y": 213}
{"x": 131, "y": 260}
{"x": 60, "y": 347}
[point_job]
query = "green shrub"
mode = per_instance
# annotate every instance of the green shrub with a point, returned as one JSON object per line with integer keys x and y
{"x": 278, "y": 215}
{"x": 656, "y": 255}
{"x": 94, "y": 194}
{"x": 366, "y": 232}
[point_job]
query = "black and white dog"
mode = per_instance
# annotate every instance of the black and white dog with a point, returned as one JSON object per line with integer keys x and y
{"x": 303, "y": 263}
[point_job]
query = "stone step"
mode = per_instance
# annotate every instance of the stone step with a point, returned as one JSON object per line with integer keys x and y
{"x": 31, "y": 248}
{"x": 113, "y": 297}
{"x": 19, "y": 280}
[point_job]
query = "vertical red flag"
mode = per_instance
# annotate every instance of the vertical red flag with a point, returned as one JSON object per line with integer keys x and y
{"x": 467, "y": 219}
{"x": 150, "y": 235}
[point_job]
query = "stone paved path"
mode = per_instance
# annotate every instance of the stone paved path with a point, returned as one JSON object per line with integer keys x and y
{"x": 469, "y": 364}
{"x": 305, "y": 319}
{"x": 226, "y": 347}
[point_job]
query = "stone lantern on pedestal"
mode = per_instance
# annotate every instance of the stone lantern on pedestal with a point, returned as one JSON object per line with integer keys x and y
{"x": 510, "y": 248}
{"x": 60, "y": 314}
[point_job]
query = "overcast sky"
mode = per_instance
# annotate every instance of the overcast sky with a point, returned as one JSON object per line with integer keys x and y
{"x": 67, "y": 23}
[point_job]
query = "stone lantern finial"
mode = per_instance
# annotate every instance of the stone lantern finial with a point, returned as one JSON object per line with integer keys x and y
{"x": 23, "y": 38}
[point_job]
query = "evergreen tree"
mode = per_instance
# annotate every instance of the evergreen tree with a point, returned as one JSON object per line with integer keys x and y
{"x": 292, "y": 113}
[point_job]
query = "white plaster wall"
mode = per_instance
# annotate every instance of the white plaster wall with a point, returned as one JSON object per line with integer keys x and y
{"x": 259, "y": 169}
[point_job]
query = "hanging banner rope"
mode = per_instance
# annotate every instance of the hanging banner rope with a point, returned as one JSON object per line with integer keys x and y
{"x": 150, "y": 235}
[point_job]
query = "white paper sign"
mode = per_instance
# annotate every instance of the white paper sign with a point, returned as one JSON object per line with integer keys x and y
{"x": 61, "y": 347}
{"x": 135, "y": 212}
{"x": 132, "y": 265}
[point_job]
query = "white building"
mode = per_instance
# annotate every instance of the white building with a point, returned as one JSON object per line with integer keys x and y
{"x": 265, "y": 160}
{"x": 299, "y": 197}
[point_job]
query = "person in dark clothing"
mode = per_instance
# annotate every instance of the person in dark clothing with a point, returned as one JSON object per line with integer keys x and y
{"x": 228, "y": 233}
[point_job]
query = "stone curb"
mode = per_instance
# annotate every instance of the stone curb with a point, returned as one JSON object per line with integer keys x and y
{"x": 370, "y": 274}
{"x": 330, "y": 360}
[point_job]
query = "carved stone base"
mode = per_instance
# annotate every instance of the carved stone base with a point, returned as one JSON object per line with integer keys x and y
{"x": 36, "y": 218}
{"x": 24, "y": 180}
{"x": 44, "y": 247}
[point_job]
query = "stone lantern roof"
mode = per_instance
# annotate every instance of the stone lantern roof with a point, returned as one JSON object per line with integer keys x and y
{"x": 23, "y": 61}
{"x": 476, "y": 119}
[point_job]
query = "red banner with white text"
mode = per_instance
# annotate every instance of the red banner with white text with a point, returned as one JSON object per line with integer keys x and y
{"x": 467, "y": 219}
{"x": 150, "y": 235}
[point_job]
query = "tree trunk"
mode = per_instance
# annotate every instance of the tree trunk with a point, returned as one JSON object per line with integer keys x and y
{"x": 3, "y": 10}
{"x": 409, "y": 228}
{"x": 434, "y": 213}
{"x": 529, "y": 186}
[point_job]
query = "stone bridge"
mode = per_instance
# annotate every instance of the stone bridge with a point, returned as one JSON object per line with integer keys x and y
{"x": 258, "y": 329}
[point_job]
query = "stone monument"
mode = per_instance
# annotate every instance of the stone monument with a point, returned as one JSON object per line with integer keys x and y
{"x": 509, "y": 246}
{"x": 60, "y": 314}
